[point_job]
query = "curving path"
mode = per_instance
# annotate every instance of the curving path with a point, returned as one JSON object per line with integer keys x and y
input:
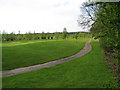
{"x": 84, "y": 51}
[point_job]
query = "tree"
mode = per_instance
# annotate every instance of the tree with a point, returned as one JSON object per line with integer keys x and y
{"x": 64, "y": 33}
{"x": 19, "y": 32}
{"x": 103, "y": 18}
{"x": 43, "y": 35}
{"x": 56, "y": 35}
{"x": 76, "y": 36}
{"x": 89, "y": 15}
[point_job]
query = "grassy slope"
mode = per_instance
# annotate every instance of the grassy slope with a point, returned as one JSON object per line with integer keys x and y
{"x": 88, "y": 71}
{"x": 30, "y": 53}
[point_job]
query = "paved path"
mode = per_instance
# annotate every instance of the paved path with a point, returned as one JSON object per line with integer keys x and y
{"x": 84, "y": 51}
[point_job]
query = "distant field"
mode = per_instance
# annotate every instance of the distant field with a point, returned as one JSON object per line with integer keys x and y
{"x": 26, "y": 53}
{"x": 89, "y": 71}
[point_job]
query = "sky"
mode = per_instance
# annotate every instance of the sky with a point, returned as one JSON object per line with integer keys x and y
{"x": 39, "y": 15}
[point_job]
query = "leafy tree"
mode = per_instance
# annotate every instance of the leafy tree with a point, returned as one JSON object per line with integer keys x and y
{"x": 64, "y": 33}
{"x": 76, "y": 36}
{"x": 56, "y": 35}
{"x": 103, "y": 19}
{"x": 43, "y": 35}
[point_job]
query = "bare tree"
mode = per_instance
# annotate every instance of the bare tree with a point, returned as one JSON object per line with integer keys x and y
{"x": 89, "y": 14}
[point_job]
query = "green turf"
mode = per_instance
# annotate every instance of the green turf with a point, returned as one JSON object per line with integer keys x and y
{"x": 21, "y": 54}
{"x": 89, "y": 71}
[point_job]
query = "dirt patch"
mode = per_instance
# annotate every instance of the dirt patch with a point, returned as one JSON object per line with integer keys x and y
{"x": 114, "y": 67}
{"x": 109, "y": 59}
{"x": 116, "y": 74}
{"x": 97, "y": 40}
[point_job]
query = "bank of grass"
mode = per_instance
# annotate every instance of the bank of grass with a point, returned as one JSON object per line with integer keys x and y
{"x": 89, "y": 71}
{"x": 26, "y": 53}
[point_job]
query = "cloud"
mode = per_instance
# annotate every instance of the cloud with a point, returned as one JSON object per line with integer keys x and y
{"x": 39, "y": 15}
{"x": 59, "y": 4}
{"x": 66, "y": 3}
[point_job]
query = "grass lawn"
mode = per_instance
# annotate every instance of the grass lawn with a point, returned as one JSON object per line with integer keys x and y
{"x": 89, "y": 71}
{"x": 26, "y": 53}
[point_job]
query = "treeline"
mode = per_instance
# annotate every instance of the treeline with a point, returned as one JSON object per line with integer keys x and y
{"x": 104, "y": 20}
{"x": 107, "y": 26}
{"x": 35, "y": 36}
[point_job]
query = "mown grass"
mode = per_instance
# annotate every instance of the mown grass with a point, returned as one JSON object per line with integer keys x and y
{"x": 89, "y": 71}
{"x": 29, "y": 53}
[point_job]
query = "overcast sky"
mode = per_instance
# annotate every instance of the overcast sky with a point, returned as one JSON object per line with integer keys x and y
{"x": 39, "y": 15}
